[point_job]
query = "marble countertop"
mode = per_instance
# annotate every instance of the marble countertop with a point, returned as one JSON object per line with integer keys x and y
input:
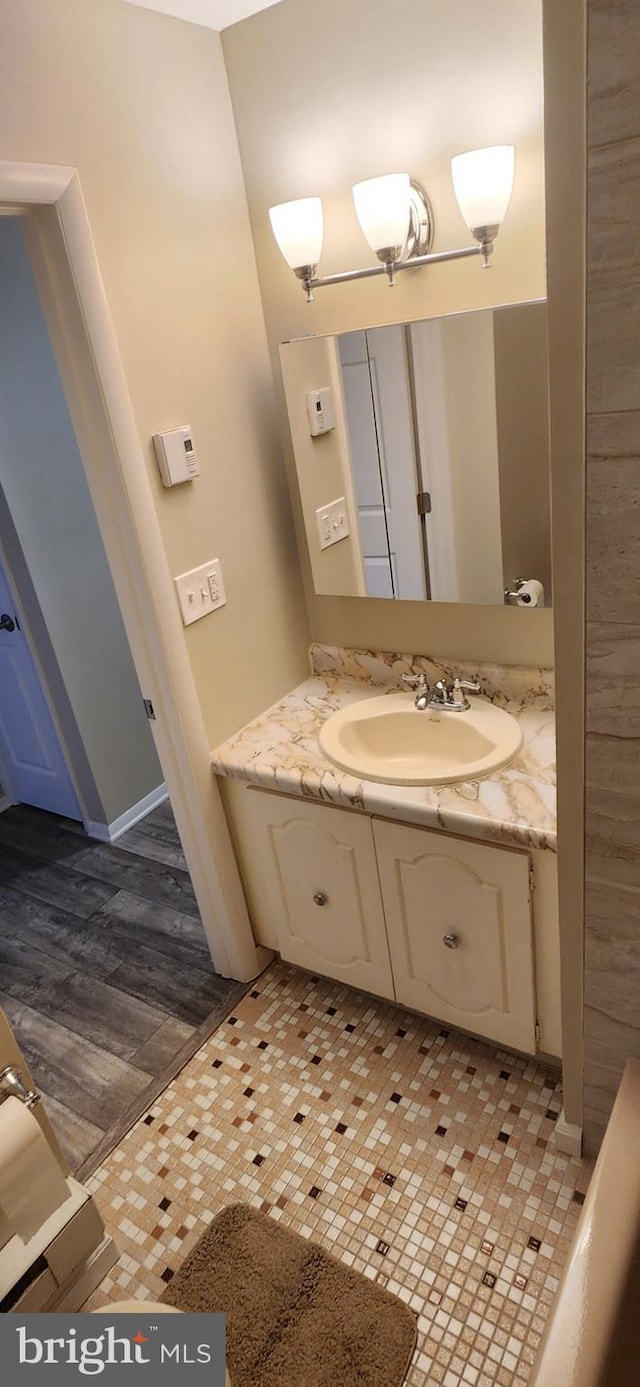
{"x": 515, "y": 806}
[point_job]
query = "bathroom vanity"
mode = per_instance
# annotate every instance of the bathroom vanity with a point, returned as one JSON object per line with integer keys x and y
{"x": 442, "y": 898}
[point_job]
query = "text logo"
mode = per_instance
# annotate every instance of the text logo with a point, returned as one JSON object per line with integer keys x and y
{"x": 64, "y": 1347}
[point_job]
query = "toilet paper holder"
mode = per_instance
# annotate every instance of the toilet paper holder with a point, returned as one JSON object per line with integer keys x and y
{"x": 511, "y": 596}
{"x": 13, "y": 1086}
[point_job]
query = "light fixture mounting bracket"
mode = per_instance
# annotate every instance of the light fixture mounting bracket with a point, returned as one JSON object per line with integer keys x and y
{"x": 420, "y": 235}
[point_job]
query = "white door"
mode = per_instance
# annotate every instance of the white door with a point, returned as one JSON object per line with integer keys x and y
{"x": 381, "y": 439}
{"x": 31, "y": 756}
{"x": 459, "y": 926}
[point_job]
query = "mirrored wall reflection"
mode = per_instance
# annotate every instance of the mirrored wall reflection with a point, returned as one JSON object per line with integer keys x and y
{"x": 422, "y": 456}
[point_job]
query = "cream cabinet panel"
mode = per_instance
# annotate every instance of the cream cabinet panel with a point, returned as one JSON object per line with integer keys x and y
{"x": 459, "y": 928}
{"x": 546, "y": 933}
{"x": 10, "y": 1054}
{"x": 321, "y": 891}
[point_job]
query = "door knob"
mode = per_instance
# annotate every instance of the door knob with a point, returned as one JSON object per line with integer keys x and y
{"x": 451, "y": 940}
{"x": 320, "y": 898}
{"x": 7, "y": 623}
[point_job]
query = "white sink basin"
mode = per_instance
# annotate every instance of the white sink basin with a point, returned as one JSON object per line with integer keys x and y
{"x": 389, "y": 740}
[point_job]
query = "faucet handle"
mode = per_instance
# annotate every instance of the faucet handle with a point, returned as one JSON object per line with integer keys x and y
{"x": 416, "y": 681}
{"x": 458, "y": 699}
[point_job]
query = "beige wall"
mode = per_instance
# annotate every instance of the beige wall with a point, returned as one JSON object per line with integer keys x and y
{"x": 139, "y": 103}
{"x": 612, "y": 943}
{"x": 320, "y": 105}
{"x": 522, "y": 404}
{"x": 323, "y": 464}
{"x": 468, "y": 369}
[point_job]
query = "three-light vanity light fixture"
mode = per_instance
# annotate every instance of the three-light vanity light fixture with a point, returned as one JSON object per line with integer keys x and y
{"x": 396, "y": 217}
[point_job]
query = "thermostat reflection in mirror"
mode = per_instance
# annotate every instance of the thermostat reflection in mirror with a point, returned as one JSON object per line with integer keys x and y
{"x": 439, "y": 446}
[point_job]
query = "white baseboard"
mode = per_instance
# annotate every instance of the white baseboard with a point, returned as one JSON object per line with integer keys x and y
{"x": 108, "y": 833}
{"x": 567, "y": 1137}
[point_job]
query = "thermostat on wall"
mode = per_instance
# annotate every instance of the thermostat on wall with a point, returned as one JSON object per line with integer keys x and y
{"x": 176, "y": 456}
{"x": 320, "y": 411}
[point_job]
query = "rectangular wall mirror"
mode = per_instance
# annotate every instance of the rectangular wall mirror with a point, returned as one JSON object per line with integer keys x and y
{"x": 422, "y": 456}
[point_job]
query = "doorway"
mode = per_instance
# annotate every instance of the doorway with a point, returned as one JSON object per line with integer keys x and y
{"x": 70, "y": 696}
{"x": 105, "y": 972}
{"x": 34, "y": 767}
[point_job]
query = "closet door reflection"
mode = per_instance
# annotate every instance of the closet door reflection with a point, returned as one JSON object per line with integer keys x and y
{"x": 376, "y": 386}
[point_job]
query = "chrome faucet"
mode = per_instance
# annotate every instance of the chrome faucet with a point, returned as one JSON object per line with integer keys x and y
{"x": 420, "y": 684}
{"x": 449, "y": 696}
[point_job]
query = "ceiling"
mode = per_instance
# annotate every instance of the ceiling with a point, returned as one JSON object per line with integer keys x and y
{"x": 213, "y": 14}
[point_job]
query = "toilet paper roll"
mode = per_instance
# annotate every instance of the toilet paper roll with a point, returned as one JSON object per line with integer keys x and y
{"x": 530, "y": 594}
{"x": 32, "y": 1185}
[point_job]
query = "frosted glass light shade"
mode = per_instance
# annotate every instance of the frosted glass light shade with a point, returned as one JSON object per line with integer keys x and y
{"x": 482, "y": 182}
{"x": 299, "y": 228}
{"x": 382, "y": 208}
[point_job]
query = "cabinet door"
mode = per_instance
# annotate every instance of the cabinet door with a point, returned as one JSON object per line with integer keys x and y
{"x": 459, "y": 927}
{"x": 322, "y": 887}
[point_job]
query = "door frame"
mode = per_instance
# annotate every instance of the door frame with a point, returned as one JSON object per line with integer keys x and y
{"x": 433, "y": 458}
{"x": 69, "y": 282}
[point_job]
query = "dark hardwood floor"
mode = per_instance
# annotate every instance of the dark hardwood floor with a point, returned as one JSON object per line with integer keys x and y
{"x": 105, "y": 974}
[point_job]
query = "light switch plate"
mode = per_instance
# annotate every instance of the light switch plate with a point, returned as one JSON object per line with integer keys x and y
{"x": 200, "y": 591}
{"x": 333, "y": 524}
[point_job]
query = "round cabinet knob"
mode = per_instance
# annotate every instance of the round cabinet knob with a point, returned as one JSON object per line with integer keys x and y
{"x": 451, "y": 940}
{"x": 320, "y": 898}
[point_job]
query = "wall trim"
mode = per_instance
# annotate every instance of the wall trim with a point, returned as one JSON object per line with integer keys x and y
{"x": 98, "y": 1264}
{"x": 567, "y": 1137}
{"x": 109, "y": 833}
{"x": 68, "y": 279}
{"x": 565, "y": 183}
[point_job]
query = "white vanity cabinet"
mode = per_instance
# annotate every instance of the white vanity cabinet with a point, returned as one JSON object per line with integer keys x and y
{"x": 459, "y": 926}
{"x": 443, "y": 925}
{"x": 316, "y": 896}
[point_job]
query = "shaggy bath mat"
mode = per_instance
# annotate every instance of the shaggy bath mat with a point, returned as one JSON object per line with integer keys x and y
{"x": 295, "y": 1316}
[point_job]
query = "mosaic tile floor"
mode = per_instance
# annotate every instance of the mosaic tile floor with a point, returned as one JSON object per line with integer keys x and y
{"x": 416, "y": 1155}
